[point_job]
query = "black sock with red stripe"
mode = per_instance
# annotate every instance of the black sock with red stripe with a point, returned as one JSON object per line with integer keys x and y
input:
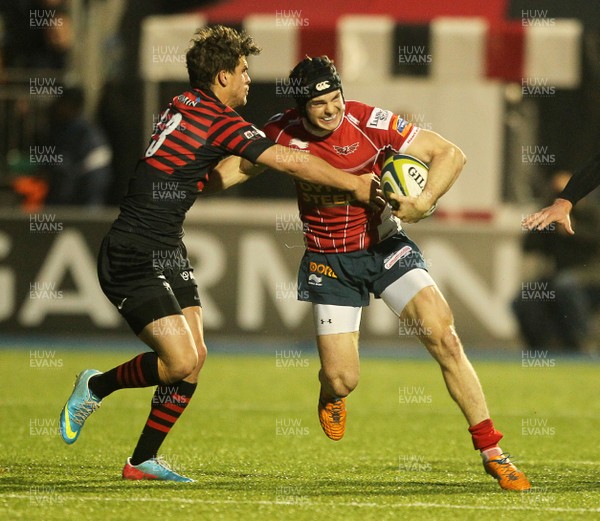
{"x": 168, "y": 404}
{"x": 142, "y": 371}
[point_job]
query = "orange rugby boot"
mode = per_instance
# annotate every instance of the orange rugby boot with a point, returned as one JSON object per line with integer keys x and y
{"x": 332, "y": 416}
{"x": 508, "y": 476}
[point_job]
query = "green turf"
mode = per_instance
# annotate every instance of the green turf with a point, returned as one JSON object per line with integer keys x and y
{"x": 252, "y": 441}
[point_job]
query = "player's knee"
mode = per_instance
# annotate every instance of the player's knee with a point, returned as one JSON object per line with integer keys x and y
{"x": 182, "y": 366}
{"x": 202, "y": 352}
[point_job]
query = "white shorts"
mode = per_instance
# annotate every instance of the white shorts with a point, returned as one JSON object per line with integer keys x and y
{"x": 332, "y": 320}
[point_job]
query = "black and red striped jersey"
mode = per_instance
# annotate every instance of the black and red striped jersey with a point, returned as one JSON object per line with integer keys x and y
{"x": 194, "y": 133}
{"x": 333, "y": 222}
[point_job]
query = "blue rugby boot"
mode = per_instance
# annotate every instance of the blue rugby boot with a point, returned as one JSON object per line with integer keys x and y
{"x": 154, "y": 468}
{"x": 79, "y": 406}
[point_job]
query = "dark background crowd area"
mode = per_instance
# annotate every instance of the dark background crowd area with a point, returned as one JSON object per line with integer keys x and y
{"x": 569, "y": 121}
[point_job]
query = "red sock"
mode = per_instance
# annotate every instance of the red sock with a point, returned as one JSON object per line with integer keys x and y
{"x": 484, "y": 435}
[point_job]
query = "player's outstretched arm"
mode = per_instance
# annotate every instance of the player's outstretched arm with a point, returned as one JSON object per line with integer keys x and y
{"x": 314, "y": 170}
{"x": 583, "y": 181}
{"x": 445, "y": 161}
{"x": 231, "y": 171}
{"x": 559, "y": 212}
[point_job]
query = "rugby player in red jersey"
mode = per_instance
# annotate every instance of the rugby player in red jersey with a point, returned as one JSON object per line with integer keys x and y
{"x": 353, "y": 251}
{"x": 143, "y": 267}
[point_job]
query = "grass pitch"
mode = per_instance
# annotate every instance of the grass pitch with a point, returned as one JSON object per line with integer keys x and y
{"x": 251, "y": 439}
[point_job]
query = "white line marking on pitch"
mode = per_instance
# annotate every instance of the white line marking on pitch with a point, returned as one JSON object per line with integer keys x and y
{"x": 308, "y": 503}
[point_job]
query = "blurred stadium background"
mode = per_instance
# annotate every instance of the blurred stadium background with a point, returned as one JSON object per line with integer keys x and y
{"x": 515, "y": 83}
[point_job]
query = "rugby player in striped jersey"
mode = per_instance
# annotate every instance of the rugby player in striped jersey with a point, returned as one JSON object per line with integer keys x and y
{"x": 143, "y": 266}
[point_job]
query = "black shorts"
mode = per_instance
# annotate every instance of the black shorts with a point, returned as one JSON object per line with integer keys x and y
{"x": 348, "y": 279}
{"x": 144, "y": 279}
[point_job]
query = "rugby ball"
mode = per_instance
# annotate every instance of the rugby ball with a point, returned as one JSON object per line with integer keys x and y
{"x": 404, "y": 175}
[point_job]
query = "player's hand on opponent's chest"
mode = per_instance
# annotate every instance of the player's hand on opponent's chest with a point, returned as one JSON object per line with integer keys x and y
{"x": 368, "y": 190}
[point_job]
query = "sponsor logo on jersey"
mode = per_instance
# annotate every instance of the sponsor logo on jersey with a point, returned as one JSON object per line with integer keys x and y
{"x": 182, "y": 98}
{"x": 380, "y": 119}
{"x": 330, "y": 199}
{"x": 346, "y": 150}
{"x": 315, "y": 280}
{"x": 322, "y": 85}
{"x": 322, "y": 269}
{"x": 295, "y": 142}
{"x": 414, "y": 131}
{"x": 254, "y": 133}
{"x": 392, "y": 259}
{"x": 401, "y": 126}
{"x": 320, "y": 195}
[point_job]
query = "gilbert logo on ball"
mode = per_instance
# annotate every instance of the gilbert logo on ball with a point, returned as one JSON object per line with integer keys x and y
{"x": 404, "y": 175}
